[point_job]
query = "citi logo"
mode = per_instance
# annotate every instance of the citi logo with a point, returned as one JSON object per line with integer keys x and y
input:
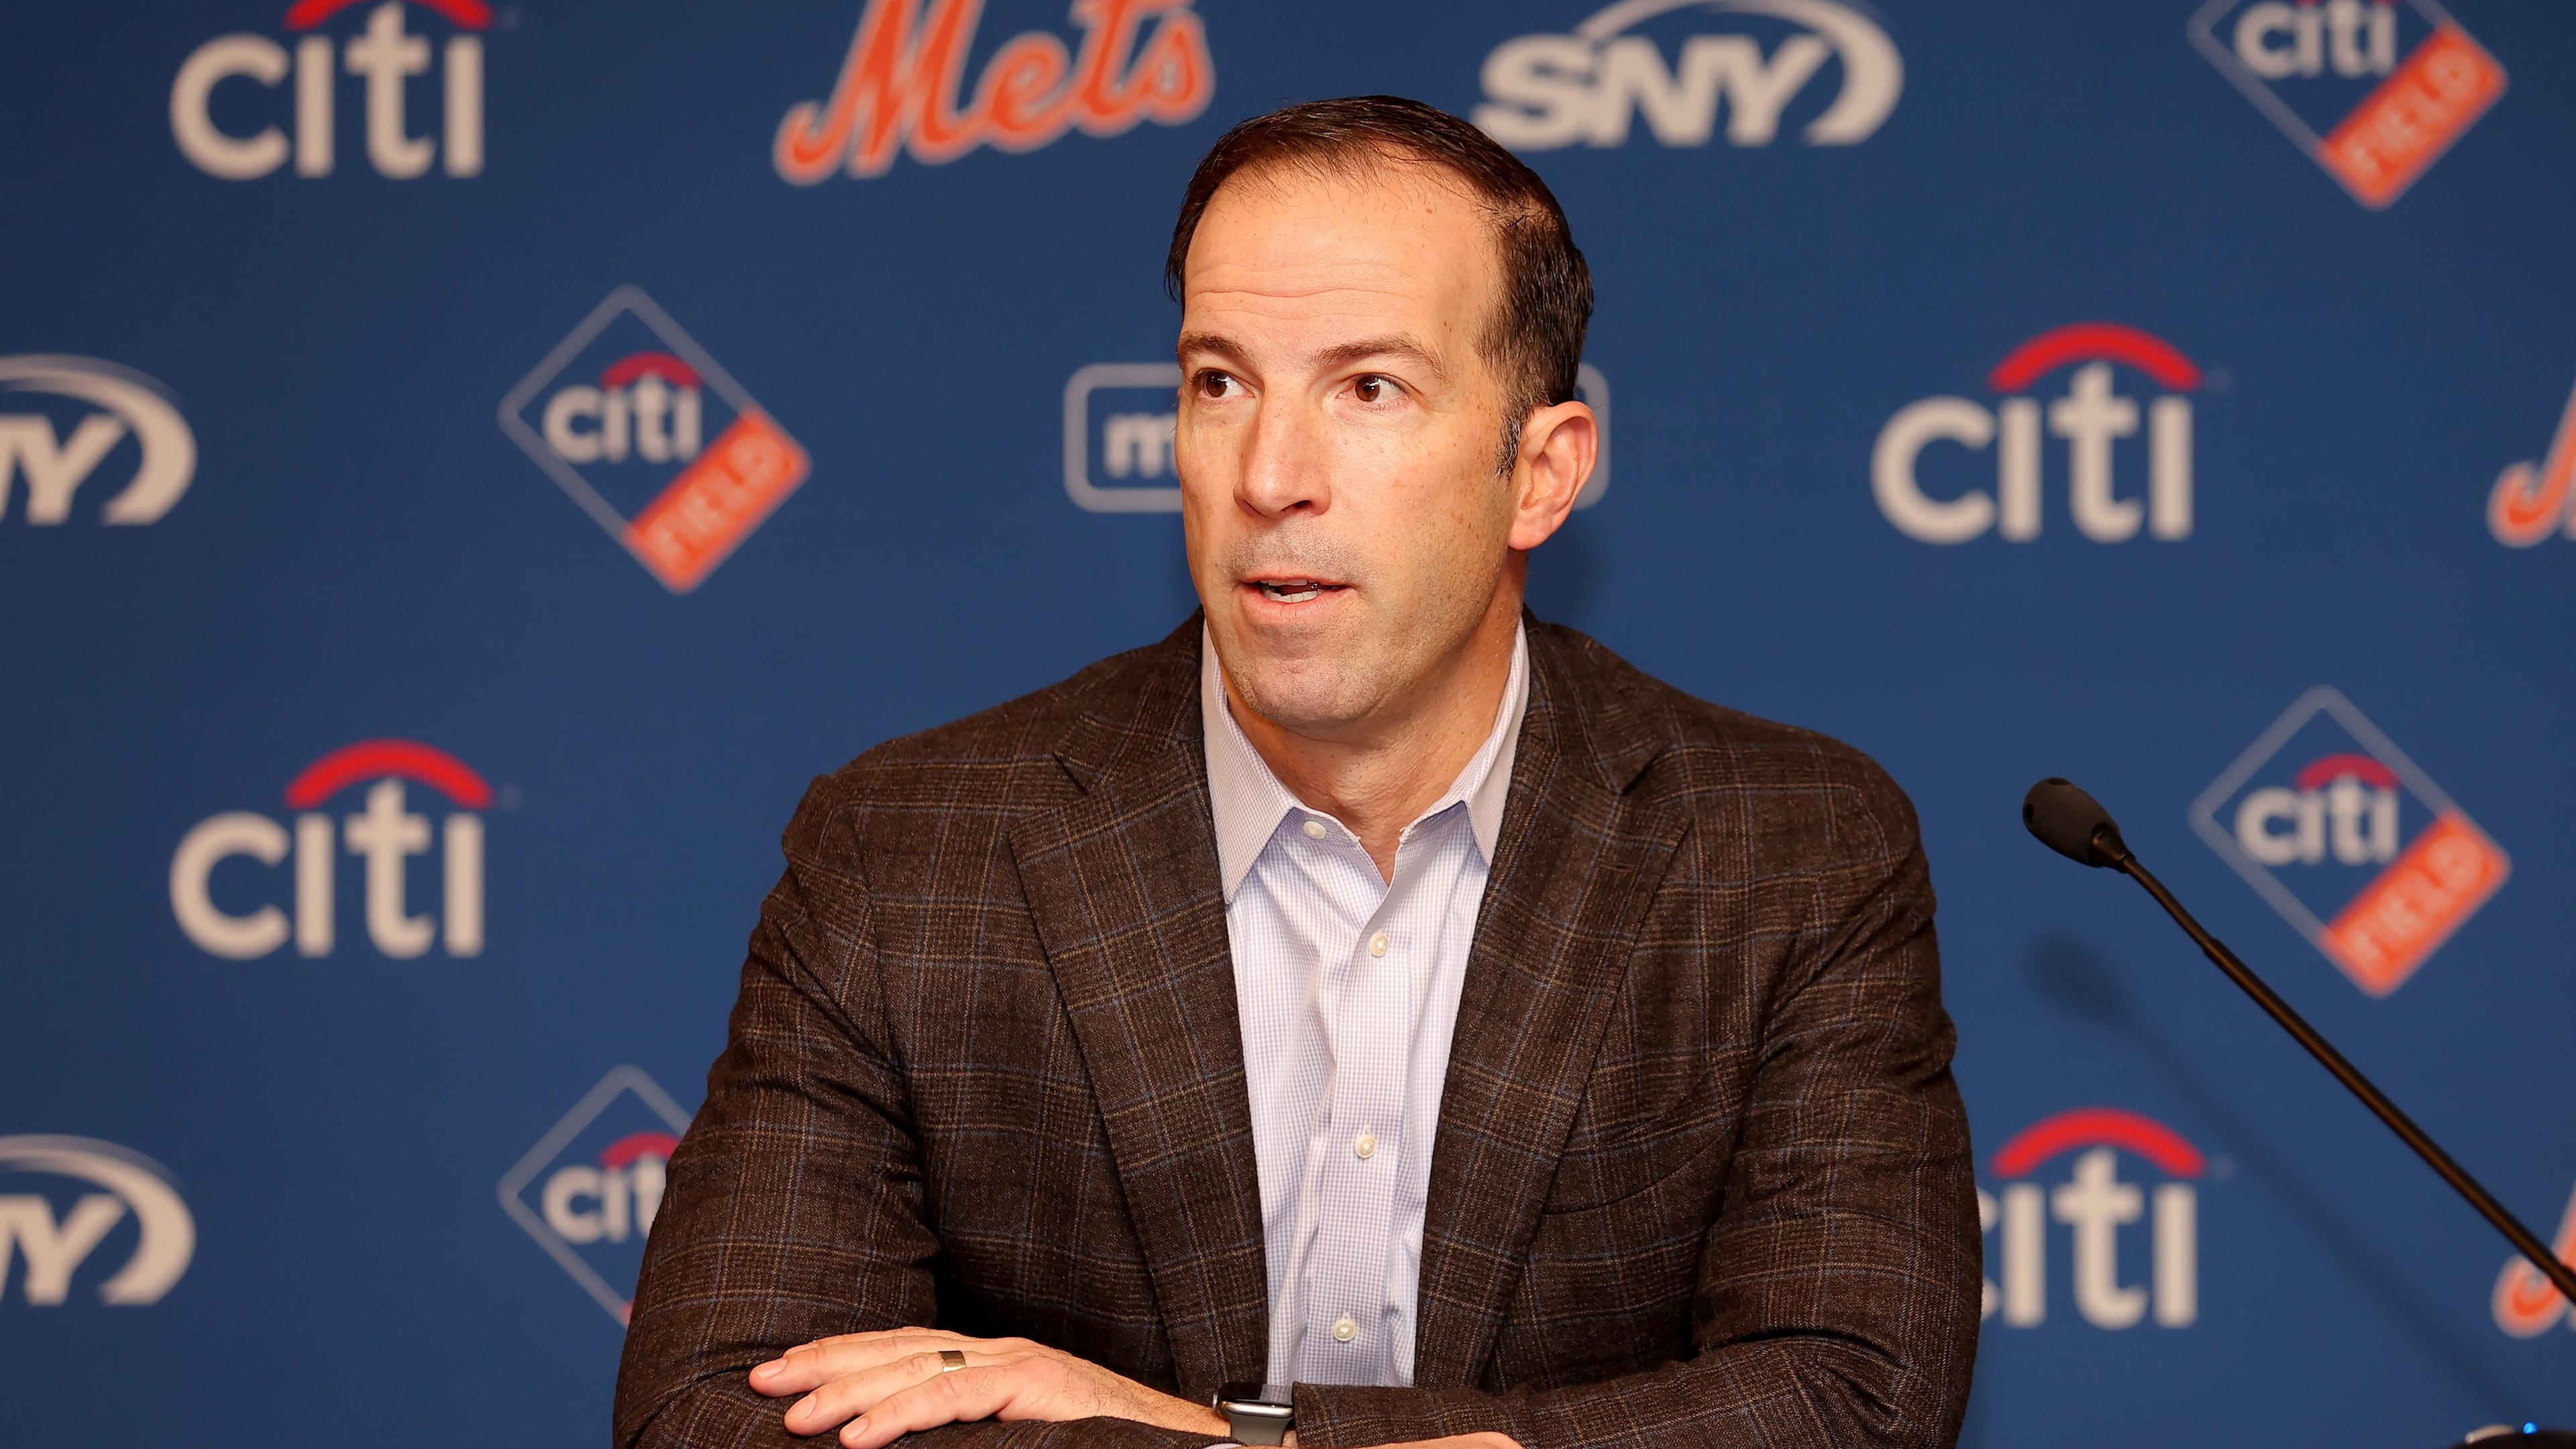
{"x": 2094, "y": 1204}
{"x": 1587, "y": 88}
{"x": 1120, "y": 419}
{"x": 2091, "y": 418}
{"x": 2528, "y": 1305}
{"x": 384, "y": 833}
{"x": 589, "y": 1190}
{"x": 108, "y": 404}
{"x": 2374, "y": 91}
{"x": 112, "y": 1186}
{"x": 2531, "y": 501}
{"x": 2355, "y": 37}
{"x": 2350, "y": 841}
{"x": 385, "y": 55}
{"x": 900, "y": 82}
{"x": 2346, "y": 803}
{"x": 615, "y": 1199}
{"x": 647, "y": 405}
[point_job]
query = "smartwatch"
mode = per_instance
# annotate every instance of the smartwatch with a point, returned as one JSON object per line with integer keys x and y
{"x": 1258, "y": 1413}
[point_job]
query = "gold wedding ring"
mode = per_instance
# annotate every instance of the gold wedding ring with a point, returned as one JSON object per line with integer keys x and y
{"x": 950, "y": 1360}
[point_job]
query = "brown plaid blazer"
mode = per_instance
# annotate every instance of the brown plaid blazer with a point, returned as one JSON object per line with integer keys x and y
{"x": 1701, "y": 1174}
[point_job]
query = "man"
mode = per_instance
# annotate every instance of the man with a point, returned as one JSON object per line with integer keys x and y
{"x": 1368, "y": 988}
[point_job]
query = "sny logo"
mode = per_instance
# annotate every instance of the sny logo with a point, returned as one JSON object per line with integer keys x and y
{"x": 2349, "y": 841}
{"x": 109, "y": 405}
{"x": 55, "y": 1245}
{"x": 2528, "y": 1305}
{"x": 1547, "y": 91}
{"x": 2091, "y": 418}
{"x": 2529, "y": 503}
{"x": 1119, "y": 419}
{"x": 385, "y": 833}
{"x": 899, "y": 84}
{"x": 598, "y": 1182}
{"x": 2093, "y": 1204}
{"x": 385, "y": 53}
{"x": 628, "y": 430}
{"x": 2373, "y": 90}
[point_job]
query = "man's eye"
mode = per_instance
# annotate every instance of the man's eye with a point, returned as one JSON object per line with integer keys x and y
{"x": 1371, "y": 388}
{"x": 1213, "y": 384}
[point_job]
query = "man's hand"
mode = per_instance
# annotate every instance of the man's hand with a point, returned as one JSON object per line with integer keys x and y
{"x": 879, "y": 1386}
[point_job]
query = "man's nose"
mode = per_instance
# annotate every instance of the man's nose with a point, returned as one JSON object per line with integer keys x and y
{"x": 1282, "y": 467}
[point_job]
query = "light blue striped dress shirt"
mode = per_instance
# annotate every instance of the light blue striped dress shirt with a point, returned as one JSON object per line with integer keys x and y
{"x": 1347, "y": 987}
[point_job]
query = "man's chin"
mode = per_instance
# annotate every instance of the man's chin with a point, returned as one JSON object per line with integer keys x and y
{"x": 1307, "y": 693}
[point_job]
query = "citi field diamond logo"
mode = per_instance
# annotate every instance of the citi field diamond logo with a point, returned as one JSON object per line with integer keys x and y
{"x": 2373, "y": 90}
{"x": 588, "y": 1190}
{"x": 2350, "y": 842}
{"x": 653, "y": 439}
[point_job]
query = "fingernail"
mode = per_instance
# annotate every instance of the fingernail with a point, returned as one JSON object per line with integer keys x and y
{"x": 856, "y": 1429}
{"x": 800, "y": 1406}
{"x": 767, "y": 1370}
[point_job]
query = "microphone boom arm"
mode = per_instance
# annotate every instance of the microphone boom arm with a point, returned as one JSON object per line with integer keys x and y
{"x": 2106, "y": 844}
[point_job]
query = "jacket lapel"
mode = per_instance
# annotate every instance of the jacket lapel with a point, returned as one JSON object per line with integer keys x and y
{"x": 1123, "y": 885}
{"x": 1574, "y": 867}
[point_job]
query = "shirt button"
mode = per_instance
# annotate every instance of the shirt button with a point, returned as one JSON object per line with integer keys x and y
{"x": 1314, "y": 829}
{"x": 1365, "y": 1146}
{"x": 1344, "y": 1330}
{"x": 1378, "y": 944}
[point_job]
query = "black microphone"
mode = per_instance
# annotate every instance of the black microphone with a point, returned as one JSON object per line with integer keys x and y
{"x": 2076, "y": 826}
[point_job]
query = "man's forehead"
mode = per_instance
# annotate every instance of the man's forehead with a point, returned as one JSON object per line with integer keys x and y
{"x": 1292, "y": 241}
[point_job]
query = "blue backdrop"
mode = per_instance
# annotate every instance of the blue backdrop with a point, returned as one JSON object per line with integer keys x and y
{"x": 467, "y": 468}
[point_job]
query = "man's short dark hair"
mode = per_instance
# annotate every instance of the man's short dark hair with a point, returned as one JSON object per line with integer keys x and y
{"x": 1535, "y": 338}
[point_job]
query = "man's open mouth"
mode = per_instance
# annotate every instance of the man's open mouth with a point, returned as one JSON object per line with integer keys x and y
{"x": 1295, "y": 591}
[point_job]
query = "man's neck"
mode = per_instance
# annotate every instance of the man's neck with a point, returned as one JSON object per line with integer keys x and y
{"x": 1380, "y": 781}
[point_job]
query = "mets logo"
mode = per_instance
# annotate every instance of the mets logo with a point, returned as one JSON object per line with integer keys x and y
{"x": 2528, "y": 1305}
{"x": 900, "y": 83}
{"x": 2096, "y": 422}
{"x": 2373, "y": 90}
{"x": 2533, "y": 501}
{"x": 2094, "y": 1204}
{"x": 2349, "y": 841}
{"x": 588, "y": 1191}
{"x": 657, "y": 443}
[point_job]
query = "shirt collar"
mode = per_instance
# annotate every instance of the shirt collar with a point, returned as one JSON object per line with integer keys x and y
{"x": 1249, "y": 801}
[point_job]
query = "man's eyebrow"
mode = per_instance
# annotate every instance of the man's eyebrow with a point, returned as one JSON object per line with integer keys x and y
{"x": 1221, "y": 348}
{"x": 1399, "y": 347}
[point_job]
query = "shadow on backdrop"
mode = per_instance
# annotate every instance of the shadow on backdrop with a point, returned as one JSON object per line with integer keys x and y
{"x": 2069, "y": 972}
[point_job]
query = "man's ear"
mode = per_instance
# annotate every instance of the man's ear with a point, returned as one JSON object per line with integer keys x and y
{"x": 1560, "y": 444}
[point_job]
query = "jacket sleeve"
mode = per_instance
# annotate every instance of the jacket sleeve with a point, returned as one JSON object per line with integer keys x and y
{"x": 794, "y": 1205}
{"x": 1839, "y": 1286}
